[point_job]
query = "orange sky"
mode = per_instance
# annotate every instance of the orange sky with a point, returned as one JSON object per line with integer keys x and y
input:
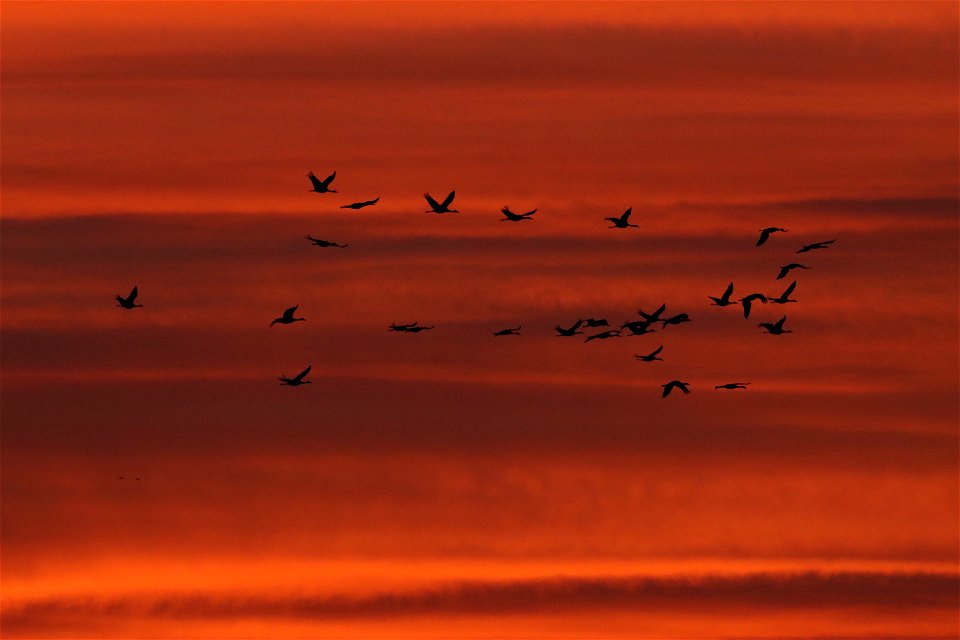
{"x": 452, "y": 484}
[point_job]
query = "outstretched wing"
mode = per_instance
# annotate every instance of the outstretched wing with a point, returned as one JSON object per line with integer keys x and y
{"x": 433, "y": 203}
{"x": 727, "y": 292}
{"x": 303, "y": 374}
{"x": 315, "y": 180}
{"x": 288, "y": 314}
{"x": 656, "y": 351}
{"x": 779, "y": 323}
{"x": 786, "y": 294}
{"x": 329, "y": 179}
{"x": 449, "y": 199}
{"x": 667, "y": 388}
{"x": 764, "y": 235}
{"x": 133, "y": 294}
{"x": 746, "y": 306}
{"x": 506, "y": 211}
{"x": 626, "y": 215}
{"x": 528, "y": 213}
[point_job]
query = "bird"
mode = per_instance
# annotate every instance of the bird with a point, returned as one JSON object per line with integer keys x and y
{"x": 361, "y": 205}
{"x": 566, "y": 333}
{"x": 441, "y": 207}
{"x": 655, "y": 316}
{"x": 638, "y": 327}
{"x": 785, "y": 296}
{"x": 677, "y": 319}
{"x": 324, "y": 243}
{"x": 596, "y": 322}
{"x": 322, "y": 186}
{"x": 508, "y": 332}
{"x": 621, "y": 222}
{"x": 732, "y": 385}
{"x": 650, "y": 357}
{"x": 297, "y": 380}
{"x": 415, "y": 329}
{"x": 287, "y": 317}
{"x": 510, "y": 216}
{"x": 724, "y": 300}
{"x": 775, "y": 328}
{"x": 401, "y": 327}
{"x": 748, "y": 301}
{"x": 765, "y": 234}
{"x": 128, "y": 302}
{"x": 784, "y": 270}
{"x": 674, "y": 384}
{"x": 816, "y": 245}
{"x": 613, "y": 333}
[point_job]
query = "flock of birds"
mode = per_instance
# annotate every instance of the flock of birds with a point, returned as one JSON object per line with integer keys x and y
{"x": 639, "y": 327}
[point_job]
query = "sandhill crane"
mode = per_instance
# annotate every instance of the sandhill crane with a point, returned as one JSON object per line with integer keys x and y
{"x": 724, "y": 300}
{"x": 297, "y": 380}
{"x": 361, "y": 205}
{"x": 508, "y": 332}
{"x": 816, "y": 245}
{"x": 322, "y": 186}
{"x": 441, "y": 207}
{"x": 732, "y": 385}
{"x": 593, "y": 323}
{"x": 510, "y": 216}
{"x": 650, "y": 357}
{"x": 765, "y": 234}
{"x": 674, "y": 384}
{"x": 128, "y": 302}
{"x": 400, "y": 327}
{"x": 324, "y": 243}
{"x": 748, "y": 301}
{"x": 566, "y": 333}
{"x": 638, "y": 327}
{"x": 775, "y": 328}
{"x": 655, "y": 316}
{"x": 287, "y": 317}
{"x": 613, "y": 333}
{"x": 621, "y": 222}
{"x": 677, "y": 319}
{"x": 415, "y": 329}
{"x": 784, "y": 270}
{"x": 785, "y": 296}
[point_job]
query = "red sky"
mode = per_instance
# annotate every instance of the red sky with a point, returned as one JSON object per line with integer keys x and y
{"x": 452, "y": 484}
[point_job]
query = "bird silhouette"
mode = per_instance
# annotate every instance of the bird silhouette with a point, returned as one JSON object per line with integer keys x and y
{"x": 655, "y": 316}
{"x": 287, "y": 317}
{"x": 613, "y": 333}
{"x": 674, "y": 384}
{"x": 724, "y": 300}
{"x": 400, "y": 327}
{"x": 732, "y": 385}
{"x": 128, "y": 302}
{"x": 784, "y": 270}
{"x": 566, "y": 333}
{"x": 361, "y": 205}
{"x": 325, "y": 243}
{"x": 414, "y": 329}
{"x": 816, "y": 245}
{"x": 621, "y": 222}
{"x": 638, "y": 327}
{"x": 297, "y": 380}
{"x": 508, "y": 332}
{"x": 441, "y": 207}
{"x": 765, "y": 234}
{"x": 650, "y": 357}
{"x": 322, "y": 186}
{"x": 785, "y": 296}
{"x": 593, "y": 323}
{"x": 748, "y": 301}
{"x": 510, "y": 216}
{"x": 775, "y": 328}
{"x": 677, "y": 319}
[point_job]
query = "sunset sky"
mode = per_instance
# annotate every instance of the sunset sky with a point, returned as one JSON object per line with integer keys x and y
{"x": 450, "y": 484}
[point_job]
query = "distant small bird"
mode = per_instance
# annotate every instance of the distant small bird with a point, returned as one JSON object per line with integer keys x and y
{"x": 416, "y": 329}
{"x": 325, "y": 243}
{"x": 400, "y": 327}
{"x": 724, "y": 300}
{"x": 788, "y": 268}
{"x": 765, "y": 234}
{"x": 510, "y": 216}
{"x": 732, "y": 385}
{"x": 748, "y": 301}
{"x": 614, "y": 333}
{"x": 361, "y": 205}
{"x": 677, "y": 319}
{"x": 508, "y": 332}
{"x": 655, "y": 316}
{"x": 297, "y": 380}
{"x": 287, "y": 317}
{"x": 566, "y": 333}
{"x": 441, "y": 207}
{"x": 322, "y": 186}
{"x": 784, "y": 297}
{"x": 592, "y": 323}
{"x": 638, "y": 327}
{"x": 674, "y": 384}
{"x": 128, "y": 302}
{"x": 775, "y": 328}
{"x": 816, "y": 245}
{"x": 621, "y": 222}
{"x": 650, "y": 357}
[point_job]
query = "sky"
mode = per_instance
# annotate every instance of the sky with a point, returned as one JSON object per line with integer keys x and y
{"x": 453, "y": 484}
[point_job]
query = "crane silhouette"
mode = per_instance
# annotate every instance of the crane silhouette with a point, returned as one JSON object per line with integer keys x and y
{"x": 400, "y": 327}
{"x": 766, "y": 233}
{"x": 128, "y": 302}
{"x": 650, "y": 357}
{"x": 674, "y": 384}
{"x": 297, "y": 380}
{"x": 748, "y": 301}
{"x": 655, "y": 316}
{"x": 325, "y": 243}
{"x": 566, "y": 333}
{"x": 724, "y": 300}
{"x": 361, "y": 205}
{"x": 508, "y": 332}
{"x": 732, "y": 385}
{"x": 677, "y": 319}
{"x": 784, "y": 297}
{"x": 322, "y": 186}
{"x": 287, "y": 317}
{"x": 510, "y": 216}
{"x": 621, "y": 222}
{"x": 613, "y": 333}
{"x": 775, "y": 328}
{"x": 441, "y": 207}
{"x": 816, "y": 245}
{"x": 784, "y": 270}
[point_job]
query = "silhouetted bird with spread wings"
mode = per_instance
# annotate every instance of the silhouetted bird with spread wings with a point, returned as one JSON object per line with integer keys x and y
{"x": 784, "y": 270}
{"x": 508, "y": 332}
{"x": 638, "y": 327}
{"x": 784, "y": 297}
{"x": 325, "y": 243}
{"x": 441, "y": 207}
{"x": 621, "y": 222}
{"x": 613, "y": 333}
{"x": 297, "y": 380}
{"x": 400, "y": 327}
{"x": 724, "y": 300}
{"x": 566, "y": 333}
{"x": 775, "y": 328}
{"x": 322, "y": 186}
{"x": 650, "y": 357}
{"x": 593, "y": 323}
{"x": 677, "y": 319}
{"x": 361, "y": 205}
{"x": 766, "y": 233}
{"x": 287, "y": 317}
{"x": 655, "y": 316}
{"x": 674, "y": 384}
{"x": 414, "y": 328}
{"x": 510, "y": 216}
{"x": 816, "y": 245}
{"x": 128, "y": 302}
{"x": 732, "y": 385}
{"x": 748, "y": 302}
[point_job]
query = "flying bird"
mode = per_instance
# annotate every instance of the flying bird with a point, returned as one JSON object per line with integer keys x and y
{"x": 785, "y": 296}
{"x": 638, "y": 327}
{"x": 596, "y": 322}
{"x": 724, "y": 300}
{"x": 765, "y": 234}
{"x": 510, "y": 216}
{"x": 732, "y": 385}
{"x": 566, "y": 333}
{"x": 788, "y": 268}
{"x": 128, "y": 302}
{"x": 441, "y": 207}
{"x": 400, "y": 327}
{"x": 361, "y": 205}
{"x": 621, "y": 222}
{"x": 748, "y": 301}
{"x": 613, "y": 333}
{"x": 677, "y": 319}
{"x": 674, "y": 384}
{"x": 775, "y": 328}
{"x": 324, "y": 243}
{"x": 508, "y": 332}
{"x": 297, "y": 380}
{"x": 655, "y": 316}
{"x": 287, "y": 317}
{"x": 415, "y": 329}
{"x": 650, "y": 357}
{"x": 322, "y": 186}
{"x": 816, "y": 245}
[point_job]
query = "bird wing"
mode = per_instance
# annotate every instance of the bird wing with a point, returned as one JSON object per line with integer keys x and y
{"x": 315, "y": 180}
{"x": 727, "y": 292}
{"x": 786, "y": 294}
{"x": 683, "y": 387}
{"x": 433, "y": 203}
{"x": 779, "y": 323}
{"x": 288, "y": 314}
{"x": 764, "y": 234}
{"x": 656, "y": 351}
{"x": 746, "y": 307}
{"x": 302, "y": 374}
{"x": 448, "y": 200}
{"x": 626, "y": 214}
{"x": 329, "y": 179}
{"x": 506, "y": 211}
{"x": 783, "y": 272}
{"x": 667, "y": 388}
{"x": 133, "y": 294}
{"x": 528, "y": 213}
